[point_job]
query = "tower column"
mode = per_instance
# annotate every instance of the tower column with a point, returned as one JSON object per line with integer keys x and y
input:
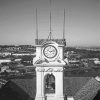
{"x": 40, "y": 86}
{"x": 59, "y": 86}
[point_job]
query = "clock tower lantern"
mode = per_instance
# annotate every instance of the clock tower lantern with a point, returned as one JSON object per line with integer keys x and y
{"x": 49, "y": 69}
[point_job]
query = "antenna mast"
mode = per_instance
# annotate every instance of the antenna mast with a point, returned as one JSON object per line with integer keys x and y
{"x": 36, "y": 25}
{"x": 50, "y": 25}
{"x": 50, "y": 34}
{"x": 64, "y": 25}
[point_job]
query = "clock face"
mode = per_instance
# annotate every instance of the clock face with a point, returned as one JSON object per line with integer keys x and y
{"x": 50, "y": 51}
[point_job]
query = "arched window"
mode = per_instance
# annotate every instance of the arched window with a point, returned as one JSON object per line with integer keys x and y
{"x": 49, "y": 85}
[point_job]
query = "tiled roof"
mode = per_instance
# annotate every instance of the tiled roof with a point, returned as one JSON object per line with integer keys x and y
{"x": 72, "y": 85}
{"x": 21, "y": 89}
{"x": 88, "y": 91}
{"x": 27, "y": 85}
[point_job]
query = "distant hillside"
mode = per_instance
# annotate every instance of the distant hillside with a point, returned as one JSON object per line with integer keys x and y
{"x": 20, "y": 48}
{"x": 85, "y": 53}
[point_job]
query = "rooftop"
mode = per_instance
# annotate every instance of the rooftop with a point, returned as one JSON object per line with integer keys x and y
{"x": 26, "y": 88}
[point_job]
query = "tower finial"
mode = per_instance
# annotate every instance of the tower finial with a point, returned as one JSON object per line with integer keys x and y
{"x": 64, "y": 25}
{"x": 36, "y": 25}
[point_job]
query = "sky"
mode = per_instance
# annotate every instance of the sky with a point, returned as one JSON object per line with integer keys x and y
{"x": 18, "y": 21}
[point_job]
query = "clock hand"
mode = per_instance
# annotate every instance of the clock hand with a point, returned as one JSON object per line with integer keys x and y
{"x": 50, "y": 51}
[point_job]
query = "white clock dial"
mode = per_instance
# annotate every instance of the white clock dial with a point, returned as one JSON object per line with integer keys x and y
{"x": 50, "y": 51}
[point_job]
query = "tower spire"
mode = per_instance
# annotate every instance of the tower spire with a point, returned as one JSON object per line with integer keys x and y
{"x": 36, "y": 25}
{"x": 64, "y": 25}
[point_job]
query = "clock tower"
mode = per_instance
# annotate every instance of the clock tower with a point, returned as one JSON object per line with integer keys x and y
{"x": 49, "y": 69}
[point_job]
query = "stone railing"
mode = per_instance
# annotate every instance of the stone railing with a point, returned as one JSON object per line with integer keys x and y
{"x": 59, "y": 41}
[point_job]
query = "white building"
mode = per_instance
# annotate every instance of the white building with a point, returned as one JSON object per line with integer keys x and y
{"x": 5, "y": 60}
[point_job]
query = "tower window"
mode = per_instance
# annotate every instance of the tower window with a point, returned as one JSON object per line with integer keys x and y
{"x": 49, "y": 83}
